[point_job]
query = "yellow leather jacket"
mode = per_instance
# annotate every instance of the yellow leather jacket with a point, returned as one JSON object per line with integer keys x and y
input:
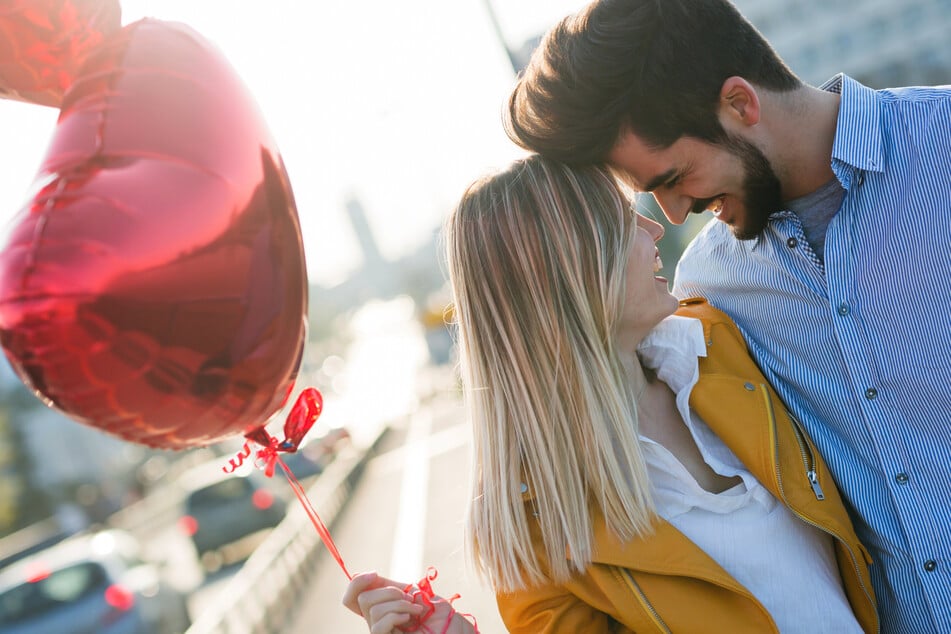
{"x": 664, "y": 582}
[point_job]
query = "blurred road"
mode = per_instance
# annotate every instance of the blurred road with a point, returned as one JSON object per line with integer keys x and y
{"x": 405, "y": 515}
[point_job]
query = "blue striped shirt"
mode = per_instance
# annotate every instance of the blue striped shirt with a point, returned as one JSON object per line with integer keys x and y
{"x": 859, "y": 344}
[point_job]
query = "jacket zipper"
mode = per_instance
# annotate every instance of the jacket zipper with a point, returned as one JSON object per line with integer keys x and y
{"x": 782, "y": 492}
{"x": 628, "y": 578}
{"x": 808, "y": 459}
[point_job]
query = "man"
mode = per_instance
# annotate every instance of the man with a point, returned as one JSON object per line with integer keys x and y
{"x": 832, "y": 250}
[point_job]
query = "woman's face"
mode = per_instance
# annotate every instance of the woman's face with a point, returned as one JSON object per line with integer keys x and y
{"x": 647, "y": 299}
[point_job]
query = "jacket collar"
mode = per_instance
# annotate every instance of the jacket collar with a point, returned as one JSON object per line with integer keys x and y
{"x": 667, "y": 550}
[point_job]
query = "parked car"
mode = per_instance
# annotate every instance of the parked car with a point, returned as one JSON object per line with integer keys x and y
{"x": 228, "y": 515}
{"x": 89, "y": 584}
{"x": 316, "y": 453}
{"x": 302, "y": 465}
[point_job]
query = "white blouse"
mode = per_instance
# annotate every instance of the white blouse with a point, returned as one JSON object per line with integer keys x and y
{"x": 787, "y": 564}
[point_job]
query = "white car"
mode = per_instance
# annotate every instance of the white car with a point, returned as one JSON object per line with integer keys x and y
{"x": 89, "y": 584}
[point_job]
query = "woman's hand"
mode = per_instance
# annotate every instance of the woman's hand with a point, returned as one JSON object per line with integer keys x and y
{"x": 386, "y": 607}
{"x": 381, "y": 602}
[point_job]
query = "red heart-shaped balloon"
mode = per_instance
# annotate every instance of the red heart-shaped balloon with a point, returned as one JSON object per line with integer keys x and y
{"x": 43, "y": 43}
{"x": 155, "y": 286}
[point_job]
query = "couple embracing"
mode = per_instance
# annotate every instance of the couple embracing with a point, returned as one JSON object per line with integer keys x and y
{"x": 771, "y": 451}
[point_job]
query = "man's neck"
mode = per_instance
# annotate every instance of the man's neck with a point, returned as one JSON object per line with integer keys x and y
{"x": 803, "y": 127}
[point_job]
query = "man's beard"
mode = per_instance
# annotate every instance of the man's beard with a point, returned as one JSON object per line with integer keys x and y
{"x": 761, "y": 189}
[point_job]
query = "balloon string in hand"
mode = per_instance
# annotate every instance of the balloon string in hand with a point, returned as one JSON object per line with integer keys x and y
{"x": 301, "y": 418}
{"x": 423, "y": 594}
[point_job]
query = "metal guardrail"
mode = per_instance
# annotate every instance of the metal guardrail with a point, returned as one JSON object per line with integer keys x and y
{"x": 31, "y": 539}
{"x": 261, "y": 597}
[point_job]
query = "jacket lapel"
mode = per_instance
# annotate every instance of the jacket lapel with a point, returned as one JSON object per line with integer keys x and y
{"x": 724, "y": 401}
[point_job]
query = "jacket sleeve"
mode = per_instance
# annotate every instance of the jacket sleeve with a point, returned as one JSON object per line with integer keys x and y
{"x": 551, "y": 609}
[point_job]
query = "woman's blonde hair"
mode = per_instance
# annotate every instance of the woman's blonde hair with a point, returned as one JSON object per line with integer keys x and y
{"x": 537, "y": 257}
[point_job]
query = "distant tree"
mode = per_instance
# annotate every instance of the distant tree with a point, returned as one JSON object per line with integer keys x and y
{"x": 21, "y": 502}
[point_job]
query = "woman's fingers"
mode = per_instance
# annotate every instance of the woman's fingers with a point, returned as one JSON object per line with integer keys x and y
{"x": 388, "y": 624}
{"x": 380, "y": 601}
{"x": 366, "y": 581}
{"x": 386, "y": 615}
{"x": 375, "y": 603}
{"x": 359, "y": 584}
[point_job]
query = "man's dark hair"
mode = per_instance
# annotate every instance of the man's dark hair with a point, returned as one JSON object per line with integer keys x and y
{"x": 654, "y": 67}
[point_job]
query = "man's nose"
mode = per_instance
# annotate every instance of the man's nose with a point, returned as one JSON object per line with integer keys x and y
{"x": 675, "y": 206}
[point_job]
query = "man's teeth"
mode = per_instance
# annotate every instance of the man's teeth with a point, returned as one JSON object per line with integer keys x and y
{"x": 658, "y": 265}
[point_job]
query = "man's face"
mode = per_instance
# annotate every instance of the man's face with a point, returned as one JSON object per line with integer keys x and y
{"x": 734, "y": 180}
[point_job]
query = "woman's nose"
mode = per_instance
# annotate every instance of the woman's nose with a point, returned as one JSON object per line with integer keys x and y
{"x": 655, "y": 229}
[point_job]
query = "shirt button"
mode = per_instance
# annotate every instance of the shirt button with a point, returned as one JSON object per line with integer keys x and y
{"x": 861, "y": 178}
{"x": 749, "y": 386}
{"x": 930, "y": 565}
{"x": 791, "y": 243}
{"x": 901, "y": 478}
{"x": 523, "y": 488}
{"x": 871, "y": 393}
{"x": 844, "y": 309}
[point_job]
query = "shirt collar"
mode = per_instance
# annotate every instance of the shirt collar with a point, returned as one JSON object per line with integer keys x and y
{"x": 671, "y": 350}
{"x": 858, "y": 143}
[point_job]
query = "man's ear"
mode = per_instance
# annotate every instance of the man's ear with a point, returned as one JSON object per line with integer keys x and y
{"x": 739, "y": 101}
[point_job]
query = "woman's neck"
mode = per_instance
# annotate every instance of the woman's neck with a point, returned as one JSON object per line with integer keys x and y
{"x": 660, "y": 420}
{"x": 656, "y": 408}
{"x": 654, "y": 399}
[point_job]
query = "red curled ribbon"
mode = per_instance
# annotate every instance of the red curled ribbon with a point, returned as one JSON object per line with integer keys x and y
{"x": 423, "y": 594}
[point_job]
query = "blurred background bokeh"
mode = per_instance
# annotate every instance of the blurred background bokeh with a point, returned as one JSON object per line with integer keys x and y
{"x": 384, "y": 111}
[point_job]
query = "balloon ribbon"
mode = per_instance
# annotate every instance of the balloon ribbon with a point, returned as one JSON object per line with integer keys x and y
{"x": 301, "y": 418}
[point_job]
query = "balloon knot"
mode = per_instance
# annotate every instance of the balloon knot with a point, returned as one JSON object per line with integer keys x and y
{"x": 299, "y": 421}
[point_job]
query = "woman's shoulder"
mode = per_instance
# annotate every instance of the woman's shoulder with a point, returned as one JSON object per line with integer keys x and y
{"x": 709, "y": 315}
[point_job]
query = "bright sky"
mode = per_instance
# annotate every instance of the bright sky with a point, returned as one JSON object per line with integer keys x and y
{"x": 397, "y": 102}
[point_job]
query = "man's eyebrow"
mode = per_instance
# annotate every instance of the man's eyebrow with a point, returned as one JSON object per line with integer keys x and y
{"x": 659, "y": 180}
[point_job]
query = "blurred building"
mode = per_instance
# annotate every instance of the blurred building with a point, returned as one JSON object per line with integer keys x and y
{"x": 881, "y": 43}
{"x": 418, "y": 274}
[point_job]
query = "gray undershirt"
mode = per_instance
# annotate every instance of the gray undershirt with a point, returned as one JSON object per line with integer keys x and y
{"x": 815, "y": 212}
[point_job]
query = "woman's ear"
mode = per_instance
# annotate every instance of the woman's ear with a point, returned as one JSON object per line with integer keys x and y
{"x": 739, "y": 101}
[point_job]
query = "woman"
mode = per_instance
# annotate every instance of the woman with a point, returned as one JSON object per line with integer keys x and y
{"x": 633, "y": 471}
